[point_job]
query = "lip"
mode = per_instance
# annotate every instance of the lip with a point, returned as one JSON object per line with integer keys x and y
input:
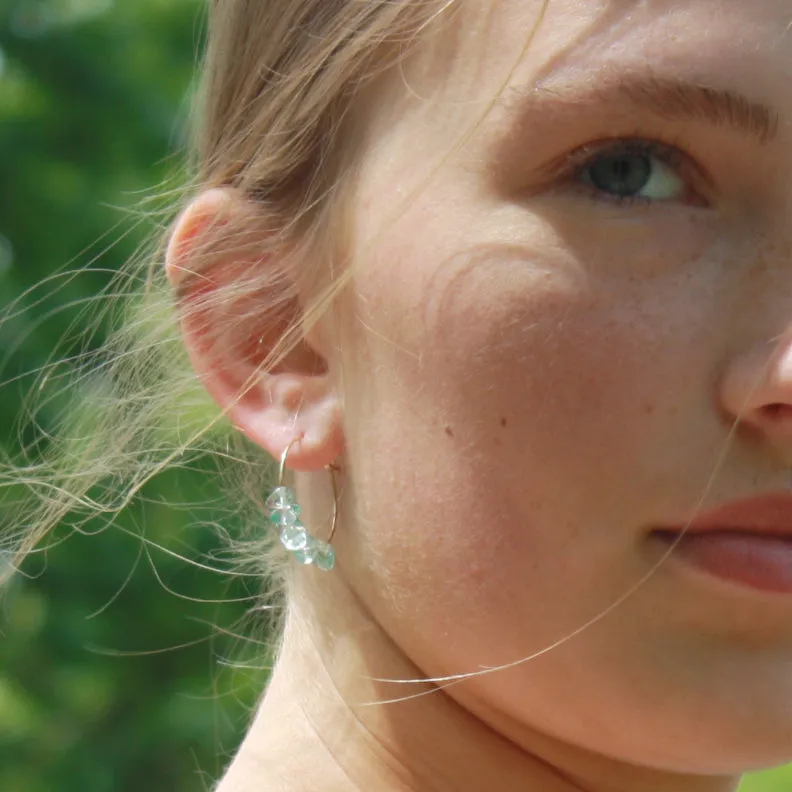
{"x": 766, "y": 515}
{"x": 745, "y": 542}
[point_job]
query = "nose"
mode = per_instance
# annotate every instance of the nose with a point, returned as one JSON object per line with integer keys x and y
{"x": 757, "y": 391}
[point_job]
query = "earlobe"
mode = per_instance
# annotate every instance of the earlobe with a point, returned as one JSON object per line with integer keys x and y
{"x": 234, "y": 310}
{"x": 294, "y": 407}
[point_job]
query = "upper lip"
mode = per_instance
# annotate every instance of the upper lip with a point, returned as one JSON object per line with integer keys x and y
{"x": 768, "y": 515}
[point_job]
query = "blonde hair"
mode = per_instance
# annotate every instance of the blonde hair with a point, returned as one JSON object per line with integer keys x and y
{"x": 279, "y": 80}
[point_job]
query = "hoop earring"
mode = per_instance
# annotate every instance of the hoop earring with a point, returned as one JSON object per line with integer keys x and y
{"x": 285, "y": 514}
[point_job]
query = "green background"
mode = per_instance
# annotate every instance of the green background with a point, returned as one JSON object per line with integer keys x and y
{"x": 120, "y": 669}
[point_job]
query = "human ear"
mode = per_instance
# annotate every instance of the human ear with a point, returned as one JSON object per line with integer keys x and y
{"x": 238, "y": 300}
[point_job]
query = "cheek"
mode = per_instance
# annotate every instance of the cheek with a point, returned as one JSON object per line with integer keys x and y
{"x": 513, "y": 418}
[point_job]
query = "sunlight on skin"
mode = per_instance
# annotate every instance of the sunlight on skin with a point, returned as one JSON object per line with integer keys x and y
{"x": 544, "y": 354}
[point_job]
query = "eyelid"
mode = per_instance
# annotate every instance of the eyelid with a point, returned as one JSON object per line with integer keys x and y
{"x": 567, "y": 168}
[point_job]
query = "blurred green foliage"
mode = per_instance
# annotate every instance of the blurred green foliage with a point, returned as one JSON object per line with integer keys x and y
{"x": 95, "y": 692}
{"x": 113, "y": 674}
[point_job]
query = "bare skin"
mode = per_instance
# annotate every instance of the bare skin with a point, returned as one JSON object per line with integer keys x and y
{"x": 322, "y": 734}
{"x": 526, "y": 375}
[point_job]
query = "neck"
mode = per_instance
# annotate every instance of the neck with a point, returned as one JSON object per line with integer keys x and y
{"x": 322, "y": 726}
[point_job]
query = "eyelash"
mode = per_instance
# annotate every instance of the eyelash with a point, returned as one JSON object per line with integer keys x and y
{"x": 570, "y": 168}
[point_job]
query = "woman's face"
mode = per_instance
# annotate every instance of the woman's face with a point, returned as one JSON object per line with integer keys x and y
{"x": 544, "y": 357}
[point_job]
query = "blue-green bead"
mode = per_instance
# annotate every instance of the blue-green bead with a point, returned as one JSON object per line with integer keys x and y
{"x": 294, "y": 537}
{"x": 325, "y": 557}
{"x": 285, "y": 517}
{"x": 282, "y": 498}
{"x": 307, "y": 554}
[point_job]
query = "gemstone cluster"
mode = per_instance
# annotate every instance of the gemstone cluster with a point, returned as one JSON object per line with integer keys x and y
{"x": 285, "y": 514}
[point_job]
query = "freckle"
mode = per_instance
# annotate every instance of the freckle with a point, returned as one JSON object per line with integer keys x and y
{"x": 449, "y": 431}
{"x": 503, "y": 422}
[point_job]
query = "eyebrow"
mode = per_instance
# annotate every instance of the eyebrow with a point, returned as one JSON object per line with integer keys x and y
{"x": 668, "y": 98}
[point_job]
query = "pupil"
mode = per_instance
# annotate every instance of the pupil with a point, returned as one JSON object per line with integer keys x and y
{"x": 621, "y": 174}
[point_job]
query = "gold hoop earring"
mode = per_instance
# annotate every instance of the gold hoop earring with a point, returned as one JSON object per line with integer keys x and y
{"x": 285, "y": 514}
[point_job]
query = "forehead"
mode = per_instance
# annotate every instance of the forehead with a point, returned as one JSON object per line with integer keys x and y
{"x": 479, "y": 48}
{"x": 565, "y": 34}
{"x": 481, "y": 58}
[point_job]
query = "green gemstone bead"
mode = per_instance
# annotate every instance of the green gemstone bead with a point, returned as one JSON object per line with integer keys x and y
{"x": 294, "y": 537}
{"x": 281, "y": 498}
{"x": 307, "y": 554}
{"x": 325, "y": 558}
{"x": 285, "y": 517}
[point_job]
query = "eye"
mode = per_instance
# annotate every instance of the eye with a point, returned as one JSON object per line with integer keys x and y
{"x": 634, "y": 171}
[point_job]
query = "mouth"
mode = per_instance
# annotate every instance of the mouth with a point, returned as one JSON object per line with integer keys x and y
{"x": 746, "y": 542}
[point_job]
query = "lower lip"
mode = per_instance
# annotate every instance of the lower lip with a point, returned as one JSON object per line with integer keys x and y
{"x": 758, "y": 562}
